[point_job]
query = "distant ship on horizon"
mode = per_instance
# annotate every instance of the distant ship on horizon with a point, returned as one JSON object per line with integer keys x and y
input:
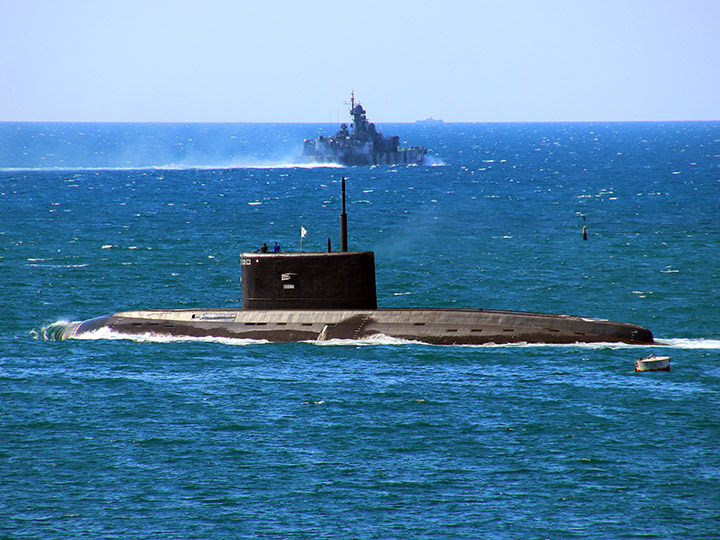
{"x": 430, "y": 120}
{"x": 361, "y": 144}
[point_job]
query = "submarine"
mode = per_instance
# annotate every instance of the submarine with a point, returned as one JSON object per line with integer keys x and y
{"x": 319, "y": 296}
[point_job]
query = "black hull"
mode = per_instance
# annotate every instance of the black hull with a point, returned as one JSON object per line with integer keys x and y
{"x": 432, "y": 326}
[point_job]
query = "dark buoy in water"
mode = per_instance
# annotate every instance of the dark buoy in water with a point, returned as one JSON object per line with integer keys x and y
{"x": 584, "y": 229}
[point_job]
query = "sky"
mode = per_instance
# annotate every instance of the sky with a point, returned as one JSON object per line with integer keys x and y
{"x": 300, "y": 60}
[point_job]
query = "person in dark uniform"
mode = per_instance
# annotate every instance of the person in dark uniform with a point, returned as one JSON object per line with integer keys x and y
{"x": 264, "y": 248}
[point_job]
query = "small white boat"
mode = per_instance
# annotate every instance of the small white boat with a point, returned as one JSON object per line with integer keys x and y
{"x": 653, "y": 363}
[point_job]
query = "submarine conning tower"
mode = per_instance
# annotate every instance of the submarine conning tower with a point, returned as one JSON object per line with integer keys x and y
{"x": 310, "y": 280}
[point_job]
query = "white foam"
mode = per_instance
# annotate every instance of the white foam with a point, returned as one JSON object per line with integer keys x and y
{"x": 676, "y": 343}
{"x": 108, "y": 333}
{"x": 51, "y": 331}
{"x": 682, "y": 343}
{"x": 525, "y": 345}
{"x": 180, "y": 167}
{"x": 35, "y": 265}
{"x": 433, "y": 161}
{"x": 292, "y": 166}
{"x": 376, "y": 339}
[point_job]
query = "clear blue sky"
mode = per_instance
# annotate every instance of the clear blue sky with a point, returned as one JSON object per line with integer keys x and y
{"x": 298, "y": 61}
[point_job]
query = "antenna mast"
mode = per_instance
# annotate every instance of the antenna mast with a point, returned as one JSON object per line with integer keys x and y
{"x": 343, "y": 221}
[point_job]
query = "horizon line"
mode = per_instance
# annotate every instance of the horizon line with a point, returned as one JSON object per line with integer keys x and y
{"x": 410, "y": 122}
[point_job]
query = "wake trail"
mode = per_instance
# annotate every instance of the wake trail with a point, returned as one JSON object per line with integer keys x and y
{"x": 172, "y": 167}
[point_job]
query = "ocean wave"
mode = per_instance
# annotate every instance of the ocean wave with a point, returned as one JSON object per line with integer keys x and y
{"x": 678, "y": 343}
{"x": 433, "y": 161}
{"x": 377, "y": 339}
{"x": 36, "y": 265}
{"x": 683, "y": 343}
{"x": 110, "y": 334}
{"x": 53, "y": 331}
{"x": 177, "y": 167}
{"x": 577, "y": 345}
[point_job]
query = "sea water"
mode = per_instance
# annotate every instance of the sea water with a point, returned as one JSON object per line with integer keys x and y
{"x": 174, "y": 438}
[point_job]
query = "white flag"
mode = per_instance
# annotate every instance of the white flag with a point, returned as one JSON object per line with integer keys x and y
{"x": 303, "y": 232}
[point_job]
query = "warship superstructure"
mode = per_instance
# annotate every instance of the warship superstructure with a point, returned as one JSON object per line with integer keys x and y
{"x": 316, "y": 296}
{"x": 361, "y": 144}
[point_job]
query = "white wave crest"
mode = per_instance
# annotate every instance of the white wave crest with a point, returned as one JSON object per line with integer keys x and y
{"x": 433, "y": 161}
{"x": 108, "y": 333}
{"x": 291, "y": 166}
{"x": 682, "y": 343}
{"x": 526, "y": 345}
{"x": 53, "y": 331}
{"x": 180, "y": 167}
{"x": 376, "y": 339}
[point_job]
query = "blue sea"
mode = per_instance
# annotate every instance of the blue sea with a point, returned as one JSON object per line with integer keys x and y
{"x": 214, "y": 439}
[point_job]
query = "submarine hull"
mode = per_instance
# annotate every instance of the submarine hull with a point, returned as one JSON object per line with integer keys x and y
{"x": 315, "y": 296}
{"x": 432, "y": 326}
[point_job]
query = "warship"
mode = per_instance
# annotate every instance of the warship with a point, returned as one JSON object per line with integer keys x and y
{"x": 318, "y": 296}
{"x": 362, "y": 144}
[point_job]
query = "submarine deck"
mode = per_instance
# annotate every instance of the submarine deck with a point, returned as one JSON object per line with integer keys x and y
{"x": 435, "y": 326}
